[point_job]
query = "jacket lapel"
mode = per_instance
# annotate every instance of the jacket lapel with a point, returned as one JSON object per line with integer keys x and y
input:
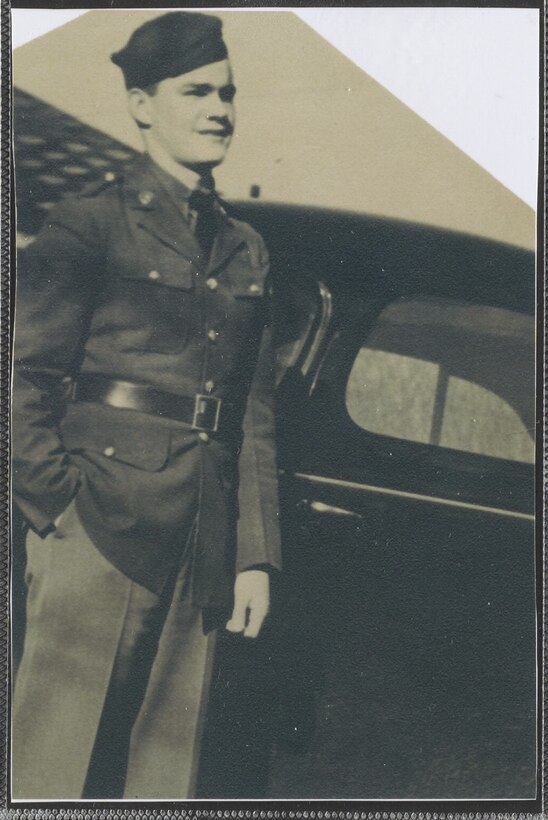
{"x": 228, "y": 241}
{"x": 158, "y": 214}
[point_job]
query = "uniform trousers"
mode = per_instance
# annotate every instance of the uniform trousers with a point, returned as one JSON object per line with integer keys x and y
{"x": 110, "y": 695}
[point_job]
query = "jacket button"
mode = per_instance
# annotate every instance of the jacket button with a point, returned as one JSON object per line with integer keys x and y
{"x": 212, "y": 335}
{"x": 146, "y": 197}
{"x": 209, "y": 385}
{"x": 110, "y": 176}
{"x": 254, "y": 288}
{"x": 154, "y": 275}
{"x": 203, "y": 436}
{"x": 212, "y": 284}
{"x": 109, "y": 452}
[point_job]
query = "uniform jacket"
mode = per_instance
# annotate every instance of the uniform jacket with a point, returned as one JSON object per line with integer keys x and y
{"x": 114, "y": 285}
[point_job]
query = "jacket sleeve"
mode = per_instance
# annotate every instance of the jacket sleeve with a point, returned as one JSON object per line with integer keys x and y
{"x": 258, "y": 524}
{"x": 55, "y": 289}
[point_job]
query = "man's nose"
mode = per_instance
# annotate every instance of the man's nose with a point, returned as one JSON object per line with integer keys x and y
{"x": 218, "y": 109}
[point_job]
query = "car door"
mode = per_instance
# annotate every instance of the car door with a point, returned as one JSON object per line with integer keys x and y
{"x": 407, "y": 625}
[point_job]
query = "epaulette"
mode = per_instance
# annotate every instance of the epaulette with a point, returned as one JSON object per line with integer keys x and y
{"x": 108, "y": 179}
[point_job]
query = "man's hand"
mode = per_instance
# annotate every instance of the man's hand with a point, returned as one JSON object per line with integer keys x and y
{"x": 251, "y": 602}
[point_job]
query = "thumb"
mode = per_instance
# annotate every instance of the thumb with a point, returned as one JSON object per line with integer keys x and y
{"x": 237, "y": 622}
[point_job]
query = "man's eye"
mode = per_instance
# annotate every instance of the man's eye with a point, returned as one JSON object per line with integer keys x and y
{"x": 226, "y": 94}
{"x": 196, "y": 92}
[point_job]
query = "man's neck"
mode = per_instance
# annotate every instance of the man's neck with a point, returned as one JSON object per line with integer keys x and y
{"x": 189, "y": 178}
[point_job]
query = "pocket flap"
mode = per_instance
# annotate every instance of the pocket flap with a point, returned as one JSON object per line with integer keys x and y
{"x": 119, "y": 435}
{"x": 167, "y": 268}
{"x": 246, "y": 275}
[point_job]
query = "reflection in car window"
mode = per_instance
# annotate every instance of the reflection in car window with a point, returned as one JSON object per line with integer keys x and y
{"x": 404, "y": 388}
{"x": 450, "y": 374}
{"x": 478, "y": 421}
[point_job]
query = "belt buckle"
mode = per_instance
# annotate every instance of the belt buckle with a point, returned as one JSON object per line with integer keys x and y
{"x": 207, "y": 410}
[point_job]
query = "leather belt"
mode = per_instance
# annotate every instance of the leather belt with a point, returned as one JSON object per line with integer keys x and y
{"x": 202, "y": 411}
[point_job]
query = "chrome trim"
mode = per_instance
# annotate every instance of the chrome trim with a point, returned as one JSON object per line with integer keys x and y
{"x": 326, "y": 312}
{"x": 448, "y": 502}
{"x": 328, "y": 509}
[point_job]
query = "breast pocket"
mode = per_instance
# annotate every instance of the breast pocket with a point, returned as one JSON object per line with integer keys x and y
{"x": 155, "y": 302}
{"x": 249, "y": 308}
{"x": 246, "y": 279}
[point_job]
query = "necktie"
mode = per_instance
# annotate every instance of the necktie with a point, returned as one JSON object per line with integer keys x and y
{"x": 203, "y": 203}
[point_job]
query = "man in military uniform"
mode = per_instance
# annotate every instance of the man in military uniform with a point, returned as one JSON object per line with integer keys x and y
{"x": 151, "y": 305}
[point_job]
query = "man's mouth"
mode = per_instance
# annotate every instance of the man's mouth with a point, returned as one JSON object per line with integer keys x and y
{"x": 217, "y": 132}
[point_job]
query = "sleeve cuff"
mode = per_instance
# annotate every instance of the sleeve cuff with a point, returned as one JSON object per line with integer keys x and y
{"x": 264, "y": 567}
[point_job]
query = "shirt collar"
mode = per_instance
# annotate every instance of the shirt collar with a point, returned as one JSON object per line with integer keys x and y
{"x": 175, "y": 188}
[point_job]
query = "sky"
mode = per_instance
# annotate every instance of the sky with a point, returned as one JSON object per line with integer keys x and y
{"x": 471, "y": 73}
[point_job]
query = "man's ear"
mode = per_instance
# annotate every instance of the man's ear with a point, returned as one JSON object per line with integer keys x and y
{"x": 139, "y": 104}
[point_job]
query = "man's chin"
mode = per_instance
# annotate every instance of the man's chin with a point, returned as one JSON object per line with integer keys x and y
{"x": 208, "y": 161}
{"x": 213, "y": 153}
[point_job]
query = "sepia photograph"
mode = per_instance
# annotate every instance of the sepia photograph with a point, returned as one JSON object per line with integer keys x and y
{"x": 276, "y": 408}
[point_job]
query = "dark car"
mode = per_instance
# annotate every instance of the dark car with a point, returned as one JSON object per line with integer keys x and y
{"x": 401, "y": 657}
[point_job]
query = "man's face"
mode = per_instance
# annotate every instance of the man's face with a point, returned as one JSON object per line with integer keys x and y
{"x": 192, "y": 116}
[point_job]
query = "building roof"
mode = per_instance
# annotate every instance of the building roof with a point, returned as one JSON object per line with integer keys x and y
{"x": 55, "y": 154}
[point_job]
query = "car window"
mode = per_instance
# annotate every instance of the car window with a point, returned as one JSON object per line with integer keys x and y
{"x": 449, "y": 374}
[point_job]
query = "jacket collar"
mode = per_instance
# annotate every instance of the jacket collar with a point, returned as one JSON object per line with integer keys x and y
{"x": 158, "y": 213}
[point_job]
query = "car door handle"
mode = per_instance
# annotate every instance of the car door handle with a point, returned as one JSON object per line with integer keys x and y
{"x": 327, "y": 509}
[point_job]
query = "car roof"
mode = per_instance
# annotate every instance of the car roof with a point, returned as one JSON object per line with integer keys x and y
{"x": 363, "y": 254}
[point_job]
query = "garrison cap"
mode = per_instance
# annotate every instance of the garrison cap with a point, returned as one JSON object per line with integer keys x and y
{"x": 170, "y": 45}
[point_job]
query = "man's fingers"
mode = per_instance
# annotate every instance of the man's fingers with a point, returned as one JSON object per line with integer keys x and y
{"x": 251, "y": 602}
{"x": 256, "y": 617}
{"x": 255, "y": 621}
{"x": 237, "y": 621}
